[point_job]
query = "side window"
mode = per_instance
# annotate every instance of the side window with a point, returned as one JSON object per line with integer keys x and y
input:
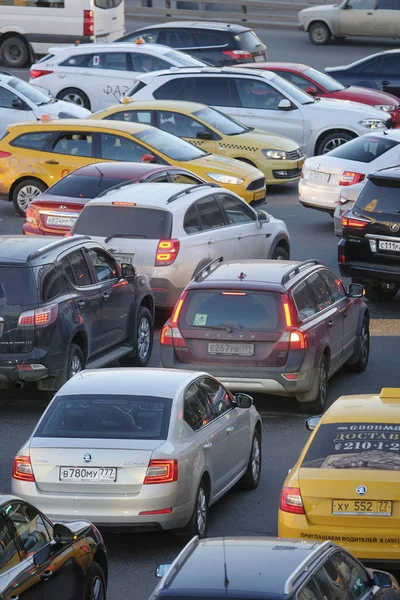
{"x": 116, "y": 61}
{"x": 217, "y": 396}
{"x": 258, "y": 94}
{"x": 197, "y": 410}
{"x": 354, "y": 574}
{"x": 331, "y": 582}
{"x": 129, "y": 116}
{"x": 361, "y": 4}
{"x": 76, "y": 269}
{"x": 180, "y": 177}
{"x": 178, "y": 124}
{"x": 309, "y": 592}
{"x": 79, "y": 60}
{"x": 297, "y": 79}
{"x": 210, "y": 213}
{"x": 32, "y": 141}
{"x": 50, "y": 282}
{"x": 335, "y": 286}
{"x": 319, "y": 291}
{"x": 191, "y": 221}
{"x": 178, "y": 88}
{"x": 304, "y": 301}
{"x": 115, "y": 147}
{"x": 30, "y": 527}
{"x": 371, "y": 66}
{"x": 9, "y": 555}
{"x": 7, "y": 98}
{"x": 206, "y": 39}
{"x": 75, "y": 144}
{"x": 391, "y": 64}
{"x": 104, "y": 265}
{"x": 215, "y": 91}
{"x": 145, "y": 63}
{"x": 237, "y": 212}
{"x": 176, "y": 38}
{"x": 388, "y": 5}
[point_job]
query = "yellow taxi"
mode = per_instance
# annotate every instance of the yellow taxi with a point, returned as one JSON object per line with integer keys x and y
{"x": 33, "y": 156}
{"x": 345, "y": 487}
{"x": 278, "y": 157}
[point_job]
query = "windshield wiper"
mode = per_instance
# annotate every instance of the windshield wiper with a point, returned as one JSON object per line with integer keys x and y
{"x": 123, "y": 235}
{"x": 225, "y": 327}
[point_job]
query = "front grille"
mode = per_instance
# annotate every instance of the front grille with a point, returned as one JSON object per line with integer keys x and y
{"x": 256, "y": 184}
{"x": 286, "y": 173}
{"x": 295, "y": 154}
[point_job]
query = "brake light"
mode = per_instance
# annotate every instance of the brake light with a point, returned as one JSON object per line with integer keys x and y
{"x": 88, "y": 23}
{"x": 35, "y": 73}
{"x": 161, "y": 471}
{"x": 354, "y": 222}
{"x": 351, "y": 178}
{"x": 39, "y": 317}
{"x": 167, "y": 251}
{"x": 170, "y": 334}
{"x": 234, "y": 294}
{"x": 291, "y": 501}
{"x": 22, "y": 469}
{"x": 288, "y": 316}
{"x": 4, "y": 154}
{"x": 297, "y": 340}
{"x": 238, "y": 54}
{"x": 124, "y": 203}
{"x": 30, "y": 216}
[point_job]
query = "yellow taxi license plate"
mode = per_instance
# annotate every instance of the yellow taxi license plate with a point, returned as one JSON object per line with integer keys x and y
{"x": 365, "y": 508}
{"x": 259, "y": 195}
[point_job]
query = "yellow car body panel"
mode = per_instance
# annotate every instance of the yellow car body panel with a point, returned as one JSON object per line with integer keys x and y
{"x": 49, "y": 166}
{"x": 348, "y": 475}
{"x": 246, "y": 146}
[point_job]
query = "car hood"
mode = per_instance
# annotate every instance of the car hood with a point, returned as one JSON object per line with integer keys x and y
{"x": 263, "y": 140}
{"x": 361, "y": 94}
{"x": 319, "y": 9}
{"x": 357, "y": 110}
{"x": 227, "y": 166}
{"x": 63, "y": 110}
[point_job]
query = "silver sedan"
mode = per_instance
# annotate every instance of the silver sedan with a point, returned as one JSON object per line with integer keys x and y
{"x": 144, "y": 448}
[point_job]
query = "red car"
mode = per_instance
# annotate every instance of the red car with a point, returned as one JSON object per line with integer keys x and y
{"x": 319, "y": 84}
{"x": 55, "y": 211}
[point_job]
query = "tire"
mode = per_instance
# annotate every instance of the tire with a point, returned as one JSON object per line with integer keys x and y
{"x": 201, "y": 506}
{"x": 14, "y": 52}
{"x": 142, "y": 340}
{"x": 318, "y": 405}
{"x": 95, "y": 583}
{"x": 319, "y": 33}
{"x": 280, "y": 254}
{"x": 76, "y": 361}
{"x": 251, "y": 478}
{"x": 362, "y": 350}
{"x": 333, "y": 140}
{"x": 75, "y": 96}
{"x": 381, "y": 292}
{"x": 26, "y": 191}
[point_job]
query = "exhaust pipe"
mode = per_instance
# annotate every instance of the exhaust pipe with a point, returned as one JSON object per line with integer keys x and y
{"x": 19, "y": 385}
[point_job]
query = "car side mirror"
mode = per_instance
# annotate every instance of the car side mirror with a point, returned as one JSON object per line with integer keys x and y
{"x": 356, "y": 290}
{"x": 263, "y": 217}
{"x": 62, "y": 534}
{"x": 17, "y": 103}
{"x": 128, "y": 270}
{"x": 285, "y": 104}
{"x": 204, "y": 135}
{"x": 311, "y": 90}
{"x": 312, "y": 422}
{"x": 243, "y": 400}
{"x": 382, "y": 579}
{"x": 162, "y": 570}
{"x": 148, "y": 158}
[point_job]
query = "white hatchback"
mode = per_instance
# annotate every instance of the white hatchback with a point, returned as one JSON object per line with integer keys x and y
{"x": 323, "y": 177}
{"x": 98, "y": 75}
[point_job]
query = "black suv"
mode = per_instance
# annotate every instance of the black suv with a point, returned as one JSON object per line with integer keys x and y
{"x": 270, "y": 569}
{"x": 369, "y": 251}
{"x": 66, "y": 304}
{"x": 219, "y": 44}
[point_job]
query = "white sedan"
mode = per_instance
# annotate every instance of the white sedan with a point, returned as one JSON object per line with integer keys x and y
{"x": 323, "y": 177}
{"x": 20, "y": 101}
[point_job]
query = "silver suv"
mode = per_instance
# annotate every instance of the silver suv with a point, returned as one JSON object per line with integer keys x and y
{"x": 171, "y": 232}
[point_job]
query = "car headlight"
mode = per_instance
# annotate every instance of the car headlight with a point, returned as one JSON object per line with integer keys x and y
{"x": 221, "y": 178}
{"x": 386, "y": 107}
{"x": 373, "y": 123}
{"x": 276, "y": 154}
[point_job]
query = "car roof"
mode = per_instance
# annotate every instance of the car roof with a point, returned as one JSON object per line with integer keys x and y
{"x": 114, "y": 47}
{"x": 206, "y": 71}
{"x": 198, "y": 25}
{"x": 189, "y": 107}
{"x": 58, "y": 124}
{"x": 257, "y": 567}
{"x": 366, "y": 408}
{"x": 122, "y": 169}
{"x": 298, "y": 67}
{"x": 146, "y": 381}
{"x": 23, "y": 249}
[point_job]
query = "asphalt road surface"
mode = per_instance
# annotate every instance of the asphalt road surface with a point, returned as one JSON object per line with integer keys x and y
{"x": 133, "y": 558}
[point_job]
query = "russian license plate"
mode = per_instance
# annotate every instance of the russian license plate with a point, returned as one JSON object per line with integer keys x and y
{"x": 61, "y": 221}
{"x": 317, "y": 176}
{"x": 365, "y": 508}
{"x": 259, "y": 58}
{"x": 122, "y": 259}
{"x": 231, "y": 349}
{"x": 391, "y": 246}
{"x": 259, "y": 195}
{"x": 88, "y": 474}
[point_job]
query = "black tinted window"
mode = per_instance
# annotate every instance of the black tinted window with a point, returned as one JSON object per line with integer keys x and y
{"x": 256, "y": 311}
{"x": 205, "y": 38}
{"x": 176, "y": 89}
{"x": 217, "y": 396}
{"x": 215, "y": 91}
{"x": 76, "y": 144}
{"x": 334, "y": 285}
{"x": 104, "y": 265}
{"x": 354, "y": 574}
{"x": 7, "y": 98}
{"x": 76, "y": 269}
{"x": 132, "y": 417}
{"x": 176, "y": 38}
{"x": 197, "y": 409}
{"x": 144, "y": 63}
{"x": 80, "y": 60}
{"x": 379, "y": 196}
{"x": 319, "y": 291}
{"x": 237, "y": 211}
{"x": 365, "y": 149}
{"x": 389, "y": 5}
{"x": 30, "y": 527}
{"x": 116, "y": 147}
{"x": 369, "y": 66}
{"x": 304, "y": 301}
{"x": 191, "y": 221}
{"x": 17, "y": 286}
{"x": 390, "y": 64}
{"x": 50, "y": 282}
{"x": 116, "y": 61}
{"x": 76, "y": 186}
{"x": 248, "y": 40}
{"x": 32, "y": 141}
{"x": 105, "y": 221}
{"x": 310, "y": 592}
{"x": 258, "y": 94}
{"x": 9, "y": 555}
{"x": 210, "y": 213}
{"x": 330, "y": 581}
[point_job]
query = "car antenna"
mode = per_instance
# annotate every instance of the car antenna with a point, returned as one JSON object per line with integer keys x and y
{"x": 242, "y": 276}
{"x": 226, "y": 580}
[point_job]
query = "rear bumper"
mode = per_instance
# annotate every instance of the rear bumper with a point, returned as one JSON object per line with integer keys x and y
{"x": 29, "y": 229}
{"x": 10, "y": 374}
{"x": 165, "y": 293}
{"x": 372, "y": 273}
{"x": 318, "y": 197}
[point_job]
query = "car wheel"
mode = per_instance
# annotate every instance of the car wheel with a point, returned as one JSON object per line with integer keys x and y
{"x": 25, "y": 192}
{"x": 384, "y": 291}
{"x": 142, "y": 340}
{"x": 280, "y": 254}
{"x": 251, "y": 478}
{"x": 318, "y": 405}
{"x": 199, "y": 520}
{"x": 319, "y": 33}
{"x": 333, "y": 140}
{"x": 362, "y": 349}
{"x": 96, "y": 583}
{"x": 14, "y": 52}
{"x": 74, "y": 96}
{"x": 76, "y": 361}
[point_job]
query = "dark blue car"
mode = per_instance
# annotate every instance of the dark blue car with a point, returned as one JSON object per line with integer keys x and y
{"x": 379, "y": 71}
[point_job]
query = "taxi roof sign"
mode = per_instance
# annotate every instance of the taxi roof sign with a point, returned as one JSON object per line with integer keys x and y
{"x": 126, "y": 100}
{"x": 139, "y": 40}
{"x": 390, "y": 393}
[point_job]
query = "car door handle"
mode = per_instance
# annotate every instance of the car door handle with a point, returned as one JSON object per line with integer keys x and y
{"x": 46, "y": 575}
{"x": 208, "y": 446}
{"x": 240, "y": 237}
{"x": 330, "y": 323}
{"x": 370, "y": 14}
{"x": 210, "y": 242}
{"x": 385, "y": 82}
{"x": 51, "y": 162}
{"x": 81, "y": 303}
{"x": 344, "y": 313}
{"x": 230, "y": 429}
{"x": 106, "y": 295}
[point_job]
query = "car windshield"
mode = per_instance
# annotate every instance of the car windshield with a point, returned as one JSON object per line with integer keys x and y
{"x": 84, "y": 186}
{"x": 115, "y": 417}
{"x": 355, "y": 445}
{"x": 29, "y": 92}
{"x": 181, "y": 59}
{"x": 169, "y": 145}
{"x": 365, "y": 149}
{"x": 291, "y": 90}
{"x": 328, "y": 83}
{"x": 222, "y": 123}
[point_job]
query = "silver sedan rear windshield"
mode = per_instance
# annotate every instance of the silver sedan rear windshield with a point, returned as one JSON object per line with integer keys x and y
{"x": 116, "y": 417}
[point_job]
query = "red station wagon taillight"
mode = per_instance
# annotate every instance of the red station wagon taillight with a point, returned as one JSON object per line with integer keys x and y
{"x": 170, "y": 333}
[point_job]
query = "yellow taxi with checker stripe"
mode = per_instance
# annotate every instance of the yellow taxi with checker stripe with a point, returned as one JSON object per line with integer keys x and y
{"x": 345, "y": 487}
{"x": 278, "y": 157}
